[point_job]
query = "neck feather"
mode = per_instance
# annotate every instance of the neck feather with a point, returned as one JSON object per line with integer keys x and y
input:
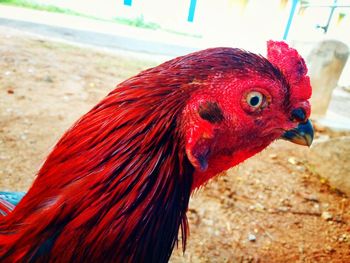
{"x": 116, "y": 186}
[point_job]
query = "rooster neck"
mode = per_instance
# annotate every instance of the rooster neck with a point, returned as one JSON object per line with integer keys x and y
{"x": 115, "y": 188}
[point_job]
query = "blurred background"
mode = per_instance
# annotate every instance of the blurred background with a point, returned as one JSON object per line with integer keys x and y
{"x": 58, "y": 58}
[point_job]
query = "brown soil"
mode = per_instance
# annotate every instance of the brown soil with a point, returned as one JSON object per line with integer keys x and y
{"x": 272, "y": 208}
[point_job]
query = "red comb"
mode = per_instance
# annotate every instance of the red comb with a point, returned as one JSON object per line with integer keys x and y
{"x": 293, "y": 66}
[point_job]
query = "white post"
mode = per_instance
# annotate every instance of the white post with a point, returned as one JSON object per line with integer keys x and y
{"x": 326, "y": 62}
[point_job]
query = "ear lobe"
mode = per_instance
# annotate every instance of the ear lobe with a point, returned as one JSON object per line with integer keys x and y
{"x": 211, "y": 112}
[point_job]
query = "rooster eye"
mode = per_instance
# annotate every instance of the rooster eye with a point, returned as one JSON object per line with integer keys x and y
{"x": 255, "y": 99}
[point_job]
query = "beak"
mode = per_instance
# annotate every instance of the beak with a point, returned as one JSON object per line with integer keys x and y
{"x": 303, "y": 134}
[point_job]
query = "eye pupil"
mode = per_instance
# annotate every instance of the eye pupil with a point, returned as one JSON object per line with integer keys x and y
{"x": 254, "y": 101}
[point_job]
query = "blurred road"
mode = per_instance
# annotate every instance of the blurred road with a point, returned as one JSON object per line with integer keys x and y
{"x": 96, "y": 33}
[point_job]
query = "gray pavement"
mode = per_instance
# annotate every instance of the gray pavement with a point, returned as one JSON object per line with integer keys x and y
{"x": 98, "y": 39}
{"x": 96, "y": 33}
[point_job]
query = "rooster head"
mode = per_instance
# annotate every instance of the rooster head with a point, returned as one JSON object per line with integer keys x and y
{"x": 247, "y": 103}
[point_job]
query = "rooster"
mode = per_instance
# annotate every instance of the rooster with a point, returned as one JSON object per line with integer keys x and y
{"x": 116, "y": 186}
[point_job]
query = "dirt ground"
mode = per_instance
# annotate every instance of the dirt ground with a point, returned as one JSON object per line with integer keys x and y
{"x": 272, "y": 208}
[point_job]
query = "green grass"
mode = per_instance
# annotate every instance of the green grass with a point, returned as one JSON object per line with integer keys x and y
{"x": 137, "y": 22}
{"x": 36, "y": 6}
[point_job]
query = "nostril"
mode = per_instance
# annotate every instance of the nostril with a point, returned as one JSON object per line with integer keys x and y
{"x": 298, "y": 115}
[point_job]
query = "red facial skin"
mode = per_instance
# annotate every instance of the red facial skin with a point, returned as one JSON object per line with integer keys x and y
{"x": 245, "y": 131}
{"x": 116, "y": 186}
